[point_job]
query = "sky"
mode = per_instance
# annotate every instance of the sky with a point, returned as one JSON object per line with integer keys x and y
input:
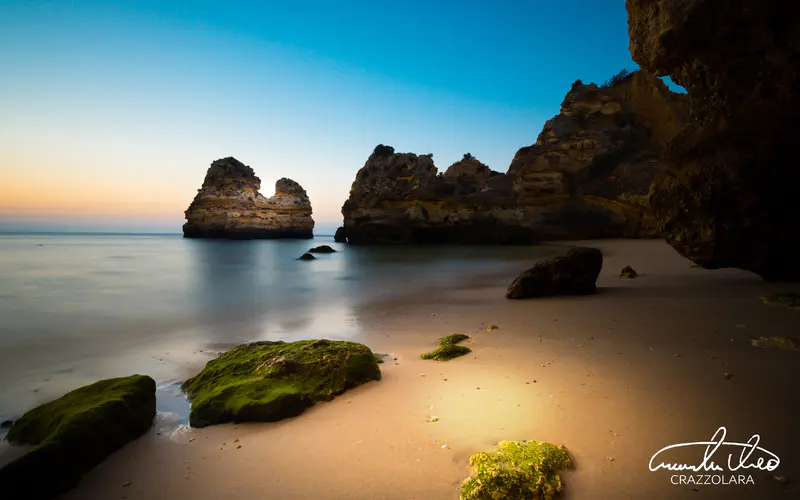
{"x": 112, "y": 111}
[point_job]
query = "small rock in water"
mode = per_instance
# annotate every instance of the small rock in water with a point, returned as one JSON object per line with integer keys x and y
{"x": 6, "y": 424}
{"x": 306, "y": 256}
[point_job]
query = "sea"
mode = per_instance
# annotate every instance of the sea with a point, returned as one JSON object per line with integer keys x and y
{"x": 77, "y": 308}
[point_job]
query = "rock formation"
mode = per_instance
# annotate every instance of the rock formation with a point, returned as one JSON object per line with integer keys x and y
{"x": 587, "y": 176}
{"x": 401, "y": 198}
{"x": 589, "y": 173}
{"x": 230, "y": 206}
{"x": 572, "y": 274}
{"x": 727, "y": 198}
{"x": 71, "y": 435}
{"x": 268, "y": 381}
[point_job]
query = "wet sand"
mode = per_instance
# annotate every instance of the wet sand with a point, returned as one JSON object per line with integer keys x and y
{"x": 618, "y": 375}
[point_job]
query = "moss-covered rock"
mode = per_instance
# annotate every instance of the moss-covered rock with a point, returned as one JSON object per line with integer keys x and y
{"x": 446, "y": 352}
{"x": 76, "y": 432}
{"x": 572, "y": 274}
{"x": 453, "y": 339}
{"x": 790, "y": 300}
{"x": 519, "y": 470}
{"x": 628, "y": 273}
{"x": 785, "y": 343}
{"x": 268, "y": 381}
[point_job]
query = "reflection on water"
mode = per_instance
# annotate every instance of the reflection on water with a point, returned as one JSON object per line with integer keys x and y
{"x": 77, "y": 308}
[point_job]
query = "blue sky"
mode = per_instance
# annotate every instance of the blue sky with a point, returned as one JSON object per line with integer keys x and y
{"x": 112, "y": 111}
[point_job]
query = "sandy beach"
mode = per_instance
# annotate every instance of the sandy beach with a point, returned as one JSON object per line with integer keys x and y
{"x": 613, "y": 377}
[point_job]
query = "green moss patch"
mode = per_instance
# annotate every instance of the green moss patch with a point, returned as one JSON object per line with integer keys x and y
{"x": 519, "y": 470}
{"x": 446, "y": 352}
{"x": 785, "y": 343}
{"x": 76, "y": 432}
{"x": 268, "y": 381}
{"x": 790, "y": 300}
{"x": 453, "y": 339}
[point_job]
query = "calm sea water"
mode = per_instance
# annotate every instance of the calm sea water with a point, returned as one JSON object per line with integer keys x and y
{"x": 78, "y": 308}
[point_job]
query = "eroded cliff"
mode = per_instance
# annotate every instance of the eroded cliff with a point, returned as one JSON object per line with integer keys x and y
{"x": 727, "y": 198}
{"x": 587, "y": 176}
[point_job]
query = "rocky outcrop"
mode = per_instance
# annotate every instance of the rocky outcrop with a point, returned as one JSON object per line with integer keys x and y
{"x": 401, "y": 198}
{"x": 589, "y": 172}
{"x": 269, "y": 381}
{"x": 340, "y": 236}
{"x": 587, "y": 176}
{"x": 728, "y": 196}
{"x": 572, "y": 274}
{"x": 71, "y": 435}
{"x": 230, "y": 206}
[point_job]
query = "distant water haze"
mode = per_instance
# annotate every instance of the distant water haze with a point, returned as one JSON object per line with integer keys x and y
{"x": 77, "y": 308}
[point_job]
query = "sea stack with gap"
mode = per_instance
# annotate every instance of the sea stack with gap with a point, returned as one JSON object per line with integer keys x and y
{"x": 229, "y": 206}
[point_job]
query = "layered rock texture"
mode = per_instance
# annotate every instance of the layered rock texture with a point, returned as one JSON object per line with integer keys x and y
{"x": 401, "y": 198}
{"x": 230, "y": 206}
{"x": 587, "y": 176}
{"x": 589, "y": 173}
{"x": 728, "y": 196}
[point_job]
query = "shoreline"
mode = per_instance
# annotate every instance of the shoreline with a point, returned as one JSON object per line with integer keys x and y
{"x": 618, "y": 375}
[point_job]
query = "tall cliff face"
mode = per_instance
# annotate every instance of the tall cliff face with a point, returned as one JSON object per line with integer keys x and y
{"x": 401, "y": 198}
{"x": 228, "y": 205}
{"x": 587, "y": 176}
{"x": 589, "y": 171}
{"x": 728, "y": 198}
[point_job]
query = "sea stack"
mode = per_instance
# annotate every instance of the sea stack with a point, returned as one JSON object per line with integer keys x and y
{"x": 728, "y": 197}
{"x": 229, "y": 206}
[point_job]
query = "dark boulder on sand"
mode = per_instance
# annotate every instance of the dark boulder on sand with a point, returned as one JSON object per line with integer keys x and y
{"x": 572, "y": 274}
{"x": 74, "y": 433}
{"x": 322, "y": 249}
{"x": 628, "y": 272}
{"x": 269, "y": 381}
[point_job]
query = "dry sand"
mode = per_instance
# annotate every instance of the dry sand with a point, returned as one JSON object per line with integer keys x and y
{"x": 617, "y": 375}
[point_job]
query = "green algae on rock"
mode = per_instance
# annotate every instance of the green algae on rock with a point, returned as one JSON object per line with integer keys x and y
{"x": 628, "y": 272}
{"x": 453, "y": 339}
{"x": 268, "y": 381}
{"x": 76, "y": 432}
{"x": 785, "y": 343}
{"x": 516, "y": 469}
{"x": 446, "y": 352}
{"x": 790, "y": 300}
